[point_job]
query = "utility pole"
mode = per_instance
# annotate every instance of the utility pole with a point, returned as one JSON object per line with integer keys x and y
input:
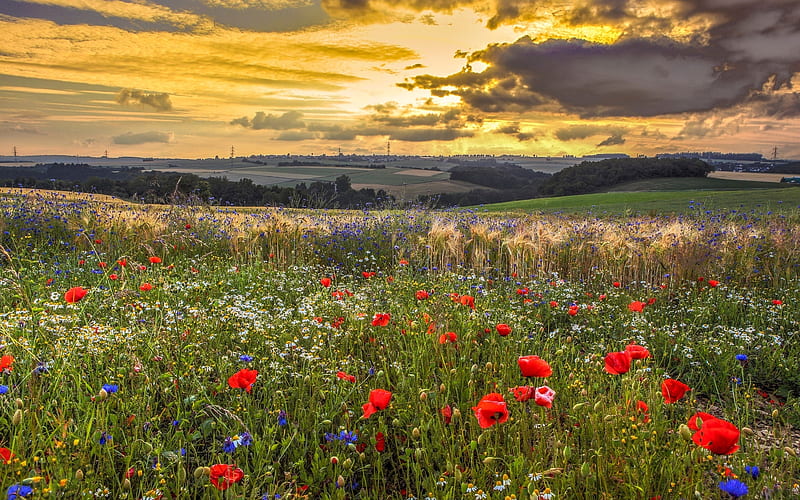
{"x": 775, "y": 153}
{"x": 15, "y": 151}
{"x": 388, "y": 148}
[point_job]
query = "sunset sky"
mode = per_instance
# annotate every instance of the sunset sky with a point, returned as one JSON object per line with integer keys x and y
{"x": 191, "y": 78}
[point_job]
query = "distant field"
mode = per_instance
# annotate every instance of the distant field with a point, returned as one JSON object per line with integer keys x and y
{"x": 661, "y": 202}
{"x": 715, "y": 183}
{"x": 747, "y": 176}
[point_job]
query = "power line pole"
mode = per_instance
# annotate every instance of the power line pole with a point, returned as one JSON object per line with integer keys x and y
{"x": 15, "y": 151}
{"x": 775, "y": 153}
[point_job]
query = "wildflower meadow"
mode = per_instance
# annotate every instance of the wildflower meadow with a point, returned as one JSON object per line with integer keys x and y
{"x": 159, "y": 352}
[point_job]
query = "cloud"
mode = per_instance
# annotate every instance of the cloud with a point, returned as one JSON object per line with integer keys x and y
{"x": 294, "y": 135}
{"x": 157, "y": 101}
{"x": 577, "y": 132}
{"x": 19, "y": 128}
{"x": 261, "y": 121}
{"x": 130, "y": 138}
{"x": 614, "y": 140}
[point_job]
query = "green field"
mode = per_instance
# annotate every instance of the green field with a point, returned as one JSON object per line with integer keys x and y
{"x": 707, "y": 194}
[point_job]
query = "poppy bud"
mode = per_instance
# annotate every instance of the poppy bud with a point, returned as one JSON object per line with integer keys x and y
{"x": 334, "y": 460}
{"x": 456, "y": 413}
{"x": 489, "y": 366}
{"x": 340, "y": 482}
{"x": 598, "y": 405}
{"x": 181, "y": 475}
{"x": 457, "y": 474}
{"x": 790, "y": 451}
{"x": 415, "y": 433}
{"x": 685, "y": 432}
{"x": 198, "y": 472}
{"x": 79, "y": 475}
{"x": 442, "y": 388}
{"x": 19, "y": 403}
{"x": 418, "y": 453}
{"x": 567, "y": 453}
{"x": 348, "y": 463}
{"x": 775, "y": 413}
{"x": 102, "y": 395}
{"x": 396, "y": 423}
{"x": 586, "y": 469}
{"x": 488, "y": 460}
{"x": 747, "y": 431}
{"x": 423, "y": 396}
{"x": 578, "y": 406}
{"x": 17, "y": 418}
{"x": 474, "y": 368}
{"x": 568, "y": 340}
{"x": 126, "y": 484}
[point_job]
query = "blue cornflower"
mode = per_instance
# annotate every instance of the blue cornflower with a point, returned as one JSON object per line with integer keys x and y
{"x": 734, "y": 488}
{"x": 105, "y": 437}
{"x": 741, "y": 357}
{"x": 753, "y": 471}
{"x": 110, "y": 388}
{"x": 246, "y": 358}
{"x": 282, "y": 418}
{"x": 16, "y": 491}
{"x": 3, "y": 389}
{"x": 347, "y": 437}
{"x": 231, "y": 443}
{"x": 228, "y": 446}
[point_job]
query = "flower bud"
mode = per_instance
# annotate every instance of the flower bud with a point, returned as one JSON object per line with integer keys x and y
{"x": 19, "y": 403}
{"x": 17, "y": 418}
{"x": 489, "y": 366}
{"x": 488, "y": 460}
{"x": 126, "y": 484}
{"x": 586, "y": 469}
{"x": 747, "y": 431}
{"x": 347, "y": 464}
{"x": 442, "y": 388}
{"x": 340, "y": 482}
{"x": 423, "y": 396}
{"x": 775, "y": 413}
{"x": 79, "y": 475}
{"x": 102, "y": 395}
{"x": 415, "y": 433}
{"x": 456, "y": 413}
{"x": 790, "y": 451}
{"x": 567, "y": 453}
{"x": 334, "y": 460}
{"x": 199, "y": 472}
{"x": 685, "y": 432}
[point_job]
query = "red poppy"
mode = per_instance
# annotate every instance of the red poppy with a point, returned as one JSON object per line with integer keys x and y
{"x": 636, "y": 351}
{"x": 503, "y": 329}
{"x": 618, "y": 362}
{"x": 553, "y": 303}
{"x": 448, "y": 337}
{"x": 6, "y": 363}
{"x": 716, "y": 435}
{"x": 403, "y": 262}
{"x": 75, "y": 294}
{"x": 122, "y": 262}
{"x": 368, "y": 274}
{"x": 421, "y": 295}
{"x": 467, "y": 300}
{"x": 636, "y": 306}
{"x": 543, "y": 396}
{"x": 6, "y": 455}
{"x": 243, "y": 379}
{"x": 642, "y": 407}
{"x": 522, "y": 291}
{"x": 534, "y": 366}
{"x": 155, "y": 260}
{"x": 447, "y": 414}
{"x": 342, "y": 375}
{"x": 573, "y": 310}
{"x": 777, "y": 302}
{"x": 673, "y": 390}
{"x": 223, "y": 476}
{"x": 491, "y": 409}
{"x": 381, "y": 319}
{"x": 380, "y": 442}
{"x": 102, "y": 265}
{"x": 378, "y": 400}
{"x": 326, "y": 282}
{"x": 187, "y": 226}
{"x": 145, "y": 287}
{"x": 713, "y": 283}
{"x": 523, "y": 393}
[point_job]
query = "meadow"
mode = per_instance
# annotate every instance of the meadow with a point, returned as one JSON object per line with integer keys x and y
{"x": 203, "y": 352}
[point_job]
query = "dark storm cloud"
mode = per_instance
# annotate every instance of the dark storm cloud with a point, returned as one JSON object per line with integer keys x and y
{"x": 748, "y": 44}
{"x": 157, "y": 101}
{"x": 636, "y": 77}
{"x": 141, "y": 138}
{"x": 578, "y": 132}
{"x": 614, "y": 140}
{"x": 261, "y": 121}
{"x": 295, "y": 135}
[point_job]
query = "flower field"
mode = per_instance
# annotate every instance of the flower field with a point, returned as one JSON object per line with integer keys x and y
{"x": 200, "y": 352}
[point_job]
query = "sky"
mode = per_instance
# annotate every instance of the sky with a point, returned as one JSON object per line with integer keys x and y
{"x": 196, "y": 78}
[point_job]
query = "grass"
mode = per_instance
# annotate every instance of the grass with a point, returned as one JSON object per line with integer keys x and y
{"x": 240, "y": 371}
